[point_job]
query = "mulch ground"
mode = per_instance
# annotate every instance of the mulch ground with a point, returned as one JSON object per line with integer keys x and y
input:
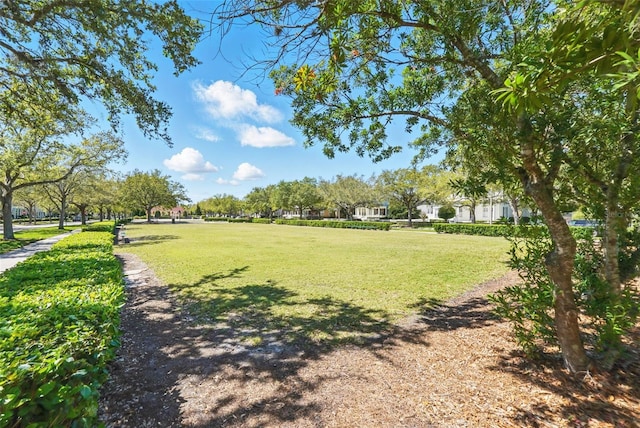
{"x": 453, "y": 366}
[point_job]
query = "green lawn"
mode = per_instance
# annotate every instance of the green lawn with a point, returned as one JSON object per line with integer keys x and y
{"x": 27, "y": 236}
{"x": 317, "y": 283}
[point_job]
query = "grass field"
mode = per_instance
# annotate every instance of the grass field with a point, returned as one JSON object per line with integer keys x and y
{"x": 27, "y": 236}
{"x": 321, "y": 283}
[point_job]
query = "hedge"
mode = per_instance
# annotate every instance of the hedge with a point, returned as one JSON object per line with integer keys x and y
{"x": 498, "y": 229}
{"x": 337, "y": 224}
{"x": 229, "y": 219}
{"x": 59, "y": 318}
{"x": 101, "y": 226}
{"x": 474, "y": 229}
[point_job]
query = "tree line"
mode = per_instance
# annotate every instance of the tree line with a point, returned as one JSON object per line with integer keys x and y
{"x": 401, "y": 191}
{"x": 101, "y": 193}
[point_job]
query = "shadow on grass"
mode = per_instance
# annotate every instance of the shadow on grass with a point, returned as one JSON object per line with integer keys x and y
{"x": 220, "y": 343}
{"x": 149, "y": 240}
{"x": 436, "y": 315}
{"x": 263, "y": 313}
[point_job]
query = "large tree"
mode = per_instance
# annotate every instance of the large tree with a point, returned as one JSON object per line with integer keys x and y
{"x": 35, "y": 157}
{"x": 356, "y": 66}
{"x": 147, "y": 190}
{"x": 304, "y": 195}
{"x": 348, "y": 192}
{"x": 94, "y": 49}
{"x": 593, "y": 57}
{"x": 259, "y": 200}
{"x": 409, "y": 187}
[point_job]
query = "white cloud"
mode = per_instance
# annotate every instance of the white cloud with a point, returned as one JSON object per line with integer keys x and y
{"x": 191, "y": 162}
{"x": 246, "y": 171}
{"x": 225, "y": 182}
{"x": 226, "y": 100}
{"x": 253, "y": 136}
{"x": 206, "y": 135}
{"x": 193, "y": 177}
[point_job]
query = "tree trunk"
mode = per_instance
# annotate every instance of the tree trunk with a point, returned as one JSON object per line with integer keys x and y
{"x": 63, "y": 212}
{"x": 513, "y": 203}
{"x": 83, "y": 216}
{"x": 472, "y": 210}
{"x": 409, "y": 215}
{"x": 560, "y": 262}
{"x": 148, "y": 215}
{"x": 7, "y": 219}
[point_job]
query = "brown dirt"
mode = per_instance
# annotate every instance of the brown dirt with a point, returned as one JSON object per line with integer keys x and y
{"x": 453, "y": 366}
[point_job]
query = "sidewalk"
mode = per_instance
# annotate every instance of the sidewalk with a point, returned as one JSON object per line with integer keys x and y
{"x": 12, "y": 258}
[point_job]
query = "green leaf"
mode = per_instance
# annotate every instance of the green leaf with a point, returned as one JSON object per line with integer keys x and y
{"x": 45, "y": 389}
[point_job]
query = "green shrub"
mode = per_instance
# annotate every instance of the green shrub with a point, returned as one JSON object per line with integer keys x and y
{"x": 262, "y": 220}
{"x": 240, "y": 220}
{"x": 101, "y": 226}
{"x": 483, "y": 229}
{"x": 474, "y": 229}
{"x": 446, "y": 212}
{"x": 529, "y": 305}
{"x": 59, "y": 317}
{"x": 369, "y": 225}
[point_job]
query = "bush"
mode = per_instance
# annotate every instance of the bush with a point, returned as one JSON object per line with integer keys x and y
{"x": 529, "y": 305}
{"x": 59, "y": 317}
{"x": 262, "y": 220}
{"x": 337, "y": 224}
{"x": 101, "y": 226}
{"x": 446, "y": 212}
{"x": 474, "y": 229}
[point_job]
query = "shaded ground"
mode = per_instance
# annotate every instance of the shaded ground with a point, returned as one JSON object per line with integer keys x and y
{"x": 453, "y": 366}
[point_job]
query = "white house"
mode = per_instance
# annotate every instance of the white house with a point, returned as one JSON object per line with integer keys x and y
{"x": 371, "y": 213}
{"x": 485, "y": 212}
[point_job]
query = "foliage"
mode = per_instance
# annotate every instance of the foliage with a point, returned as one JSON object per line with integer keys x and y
{"x": 219, "y": 205}
{"x": 100, "y": 226}
{"x": 409, "y": 187}
{"x": 353, "y": 68}
{"x": 474, "y": 229}
{"x": 95, "y": 49}
{"x": 261, "y": 220}
{"x": 35, "y": 156}
{"x": 579, "y": 233}
{"x": 529, "y": 305}
{"x": 147, "y": 190}
{"x": 446, "y": 212}
{"x": 59, "y": 317}
{"x": 348, "y": 192}
{"x": 369, "y": 225}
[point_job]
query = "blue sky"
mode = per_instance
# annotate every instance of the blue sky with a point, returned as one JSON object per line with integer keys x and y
{"x": 230, "y": 132}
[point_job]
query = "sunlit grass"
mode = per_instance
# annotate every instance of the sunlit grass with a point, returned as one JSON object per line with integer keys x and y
{"x": 223, "y": 269}
{"x": 27, "y": 236}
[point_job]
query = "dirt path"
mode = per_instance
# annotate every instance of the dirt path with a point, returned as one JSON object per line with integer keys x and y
{"x": 451, "y": 367}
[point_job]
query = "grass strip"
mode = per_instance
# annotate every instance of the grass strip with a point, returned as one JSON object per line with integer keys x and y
{"x": 28, "y": 236}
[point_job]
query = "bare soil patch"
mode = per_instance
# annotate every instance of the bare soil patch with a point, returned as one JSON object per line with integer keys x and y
{"x": 453, "y": 366}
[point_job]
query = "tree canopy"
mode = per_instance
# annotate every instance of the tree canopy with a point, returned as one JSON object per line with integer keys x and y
{"x": 147, "y": 190}
{"x": 352, "y": 68}
{"x": 96, "y": 49}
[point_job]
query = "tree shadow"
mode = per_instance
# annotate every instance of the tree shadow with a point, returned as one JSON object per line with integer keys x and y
{"x": 267, "y": 313}
{"x": 148, "y": 240}
{"x": 437, "y": 315}
{"x": 226, "y": 341}
{"x": 592, "y": 398}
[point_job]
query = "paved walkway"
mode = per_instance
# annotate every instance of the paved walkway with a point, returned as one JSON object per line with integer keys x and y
{"x": 12, "y": 258}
